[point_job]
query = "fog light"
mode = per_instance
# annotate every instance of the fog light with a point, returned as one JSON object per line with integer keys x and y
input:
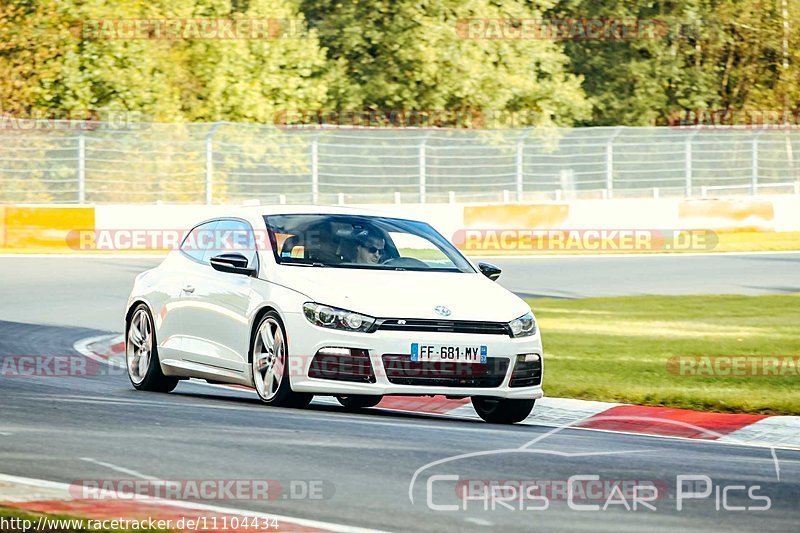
{"x": 334, "y": 351}
{"x": 528, "y": 358}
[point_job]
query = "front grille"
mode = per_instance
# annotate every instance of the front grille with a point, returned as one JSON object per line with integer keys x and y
{"x": 443, "y": 326}
{"x": 526, "y": 374}
{"x": 355, "y": 367}
{"x": 401, "y": 370}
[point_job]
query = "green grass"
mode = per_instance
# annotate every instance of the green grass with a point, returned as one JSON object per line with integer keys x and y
{"x": 8, "y": 513}
{"x": 617, "y": 349}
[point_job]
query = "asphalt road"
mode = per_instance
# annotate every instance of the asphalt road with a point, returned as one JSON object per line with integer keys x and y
{"x": 63, "y": 428}
{"x": 91, "y": 292}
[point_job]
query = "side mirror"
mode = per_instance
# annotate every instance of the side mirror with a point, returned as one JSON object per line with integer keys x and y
{"x": 233, "y": 263}
{"x": 490, "y": 271}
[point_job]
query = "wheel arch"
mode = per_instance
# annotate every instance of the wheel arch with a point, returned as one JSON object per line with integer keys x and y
{"x": 256, "y": 320}
{"x": 134, "y": 304}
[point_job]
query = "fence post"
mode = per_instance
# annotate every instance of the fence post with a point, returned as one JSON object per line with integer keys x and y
{"x": 422, "y": 177}
{"x": 209, "y": 169}
{"x": 81, "y": 168}
{"x": 689, "y": 163}
{"x": 315, "y": 169}
{"x": 210, "y": 164}
{"x": 754, "y": 170}
{"x": 520, "y": 163}
{"x": 610, "y": 165}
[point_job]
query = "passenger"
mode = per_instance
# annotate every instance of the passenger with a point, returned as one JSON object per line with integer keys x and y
{"x": 370, "y": 247}
{"x": 321, "y": 245}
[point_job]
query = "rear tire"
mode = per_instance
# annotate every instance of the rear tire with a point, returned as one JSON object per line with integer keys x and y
{"x": 141, "y": 354}
{"x": 269, "y": 365}
{"x": 502, "y": 411}
{"x": 359, "y": 401}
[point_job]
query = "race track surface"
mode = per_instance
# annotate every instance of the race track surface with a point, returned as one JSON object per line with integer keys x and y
{"x": 91, "y": 292}
{"x": 97, "y": 427}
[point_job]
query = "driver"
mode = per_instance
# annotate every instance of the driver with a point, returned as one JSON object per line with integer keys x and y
{"x": 370, "y": 247}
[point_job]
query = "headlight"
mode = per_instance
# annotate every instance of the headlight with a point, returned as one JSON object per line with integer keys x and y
{"x": 332, "y": 317}
{"x": 524, "y": 326}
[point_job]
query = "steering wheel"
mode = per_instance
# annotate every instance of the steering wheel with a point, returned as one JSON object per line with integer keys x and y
{"x": 401, "y": 262}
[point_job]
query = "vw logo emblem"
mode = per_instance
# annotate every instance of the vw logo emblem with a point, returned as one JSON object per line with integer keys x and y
{"x": 442, "y": 310}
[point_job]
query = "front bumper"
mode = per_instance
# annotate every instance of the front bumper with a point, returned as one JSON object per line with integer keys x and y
{"x": 305, "y": 340}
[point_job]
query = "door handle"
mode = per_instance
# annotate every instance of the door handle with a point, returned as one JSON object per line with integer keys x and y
{"x": 188, "y": 289}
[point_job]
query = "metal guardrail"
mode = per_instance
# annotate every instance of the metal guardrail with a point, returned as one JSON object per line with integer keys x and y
{"x": 226, "y": 163}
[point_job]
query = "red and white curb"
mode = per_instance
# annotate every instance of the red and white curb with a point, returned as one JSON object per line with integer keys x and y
{"x": 747, "y": 429}
{"x": 50, "y": 497}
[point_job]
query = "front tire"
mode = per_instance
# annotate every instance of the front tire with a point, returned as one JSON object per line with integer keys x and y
{"x": 141, "y": 354}
{"x": 502, "y": 411}
{"x": 269, "y": 365}
{"x": 359, "y": 401}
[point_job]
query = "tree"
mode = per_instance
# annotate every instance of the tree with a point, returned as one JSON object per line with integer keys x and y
{"x": 405, "y": 55}
{"x": 710, "y": 58}
{"x": 74, "y": 56}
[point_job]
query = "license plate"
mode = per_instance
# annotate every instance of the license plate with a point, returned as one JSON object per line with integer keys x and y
{"x": 459, "y": 353}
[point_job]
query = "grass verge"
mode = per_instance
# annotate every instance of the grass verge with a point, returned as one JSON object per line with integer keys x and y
{"x": 619, "y": 349}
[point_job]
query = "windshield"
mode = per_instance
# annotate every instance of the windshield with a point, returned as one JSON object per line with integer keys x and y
{"x": 357, "y": 241}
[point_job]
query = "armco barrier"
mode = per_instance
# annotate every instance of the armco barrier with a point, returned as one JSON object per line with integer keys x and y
{"x": 45, "y": 228}
{"x": 42, "y": 228}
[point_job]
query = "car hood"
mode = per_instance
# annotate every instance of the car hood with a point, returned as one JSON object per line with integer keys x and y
{"x": 406, "y": 294}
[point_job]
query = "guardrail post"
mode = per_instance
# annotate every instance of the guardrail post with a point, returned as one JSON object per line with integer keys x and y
{"x": 315, "y": 170}
{"x": 81, "y": 168}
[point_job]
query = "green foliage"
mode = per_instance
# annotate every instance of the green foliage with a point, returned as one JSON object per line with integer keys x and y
{"x": 59, "y": 58}
{"x": 401, "y": 55}
{"x": 709, "y": 55}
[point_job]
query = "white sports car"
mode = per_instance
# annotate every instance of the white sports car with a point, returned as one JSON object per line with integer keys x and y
{"x": 296, "y": 301}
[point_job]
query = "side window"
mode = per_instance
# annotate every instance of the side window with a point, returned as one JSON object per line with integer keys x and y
{"x": 232, "y": 236}
{"x": 199, "y": 240}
